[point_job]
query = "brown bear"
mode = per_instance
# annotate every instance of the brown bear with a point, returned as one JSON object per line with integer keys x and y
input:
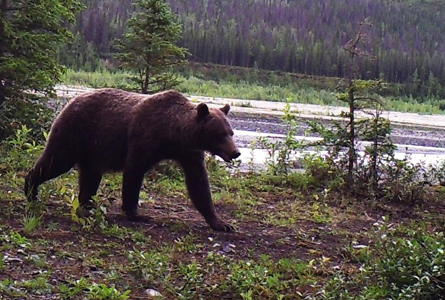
{"x": 110, "y": 130}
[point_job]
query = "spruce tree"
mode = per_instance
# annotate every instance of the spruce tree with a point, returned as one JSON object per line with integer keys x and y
{"x": 30, "y": 32}
{"x": 149, "y": 48}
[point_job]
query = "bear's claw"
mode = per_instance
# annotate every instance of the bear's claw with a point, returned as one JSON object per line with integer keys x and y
{"x": 219, "y": 225}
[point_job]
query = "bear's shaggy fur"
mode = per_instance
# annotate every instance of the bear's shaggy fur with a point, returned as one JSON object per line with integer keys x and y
{"x": 111, "y": 130}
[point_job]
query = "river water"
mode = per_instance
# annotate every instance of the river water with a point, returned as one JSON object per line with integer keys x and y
{"x": 416, "y": 154}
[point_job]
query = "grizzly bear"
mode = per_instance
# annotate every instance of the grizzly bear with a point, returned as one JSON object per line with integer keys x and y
{"x": 110, "y": 130}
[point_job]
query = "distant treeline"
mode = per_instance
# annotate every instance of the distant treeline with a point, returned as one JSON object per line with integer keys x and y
{"x": 299, "y": 36}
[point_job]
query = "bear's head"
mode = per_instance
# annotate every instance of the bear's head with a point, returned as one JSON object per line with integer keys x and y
{"x": 216, "y": 134}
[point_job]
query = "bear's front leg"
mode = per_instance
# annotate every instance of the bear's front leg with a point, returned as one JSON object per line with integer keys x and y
{"x": 198, "y": 187}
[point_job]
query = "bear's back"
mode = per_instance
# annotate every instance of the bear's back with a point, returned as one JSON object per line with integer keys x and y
{"x": 108, "y": 101}
{"x": 97, "y": 125}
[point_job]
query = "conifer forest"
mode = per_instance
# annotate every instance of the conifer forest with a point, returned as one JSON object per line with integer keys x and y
{"x": 299, "y": 36}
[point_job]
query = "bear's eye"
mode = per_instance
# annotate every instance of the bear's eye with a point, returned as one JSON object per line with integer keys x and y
{"x": 221, "y": 137}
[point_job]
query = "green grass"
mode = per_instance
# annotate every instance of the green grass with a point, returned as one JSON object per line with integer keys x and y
{"x": 279, "y": 87}
{"x": 98, "y": 79}
{"x": 30, "y": 222}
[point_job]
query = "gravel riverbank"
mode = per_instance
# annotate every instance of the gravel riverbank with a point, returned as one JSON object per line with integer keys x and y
{"x": 410, "y": 135}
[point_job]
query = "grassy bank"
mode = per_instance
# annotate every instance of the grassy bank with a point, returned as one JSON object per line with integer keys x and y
{"x": 271, "y": 86}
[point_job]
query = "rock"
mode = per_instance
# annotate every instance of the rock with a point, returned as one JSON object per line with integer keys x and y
{"x": 229, "y": 248}
{"x": 152, "y": 294}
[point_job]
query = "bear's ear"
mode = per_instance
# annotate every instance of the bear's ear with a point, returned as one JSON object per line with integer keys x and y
{"x": 225, "y": 109}
{"x": 203, "y": 111}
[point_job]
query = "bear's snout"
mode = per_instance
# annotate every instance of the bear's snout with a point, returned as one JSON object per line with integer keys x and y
{"x": 227, "y": 154}
{"x": 236, "y": 154}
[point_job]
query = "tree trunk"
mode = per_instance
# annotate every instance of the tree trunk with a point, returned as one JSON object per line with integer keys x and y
{"x": 3, "y": 6}
{"x": 351, "y": 150}
{"x": 146, "y": 80}
{"x": 374, "y": 151}
{"x": 2, "y": 92}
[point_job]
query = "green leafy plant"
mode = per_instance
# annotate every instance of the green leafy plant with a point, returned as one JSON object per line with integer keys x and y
{"x": 21, "y": 149}
{"x": 322, "y": 171}
{"x": 102, "y": 291}
{"x": 412, "y": 266}
{"x": 280, "y": 159}
{"x": 192, "y": 276}
{"x": 39, "y": 284}
{"x": 89, "y": 219}
{"x": 31, "y": 222}
{"x": 320, "y": 213}
{"x": 74, "y": 288}
{"x": 16, "y": 239}
{"x": 151, "y": 266}
{"x": 7, "y": 290}
{"x": 400, "y": 263}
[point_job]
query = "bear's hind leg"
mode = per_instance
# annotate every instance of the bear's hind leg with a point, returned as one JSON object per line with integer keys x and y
{"x": 131, "y": 186}
{"x": 198, "y": 187}
{"x": 89, "y": 180}
{"x": 47, "y": 167}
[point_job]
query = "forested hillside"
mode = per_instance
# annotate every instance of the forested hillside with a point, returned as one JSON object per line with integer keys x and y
{"x": 301, "y": 36}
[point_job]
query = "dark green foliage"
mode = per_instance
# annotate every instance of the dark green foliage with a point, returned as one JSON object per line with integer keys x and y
{"x": 413, "y": 267}
{"x": 81, "y": 55}
{"x": 30, "y": 32}
{"x": 400, "y": 264}
{"x": 148, "y": 47}
{"x": 29, "y": 111}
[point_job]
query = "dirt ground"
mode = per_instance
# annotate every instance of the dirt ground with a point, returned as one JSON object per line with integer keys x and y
{"x": 281, "y": 224}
